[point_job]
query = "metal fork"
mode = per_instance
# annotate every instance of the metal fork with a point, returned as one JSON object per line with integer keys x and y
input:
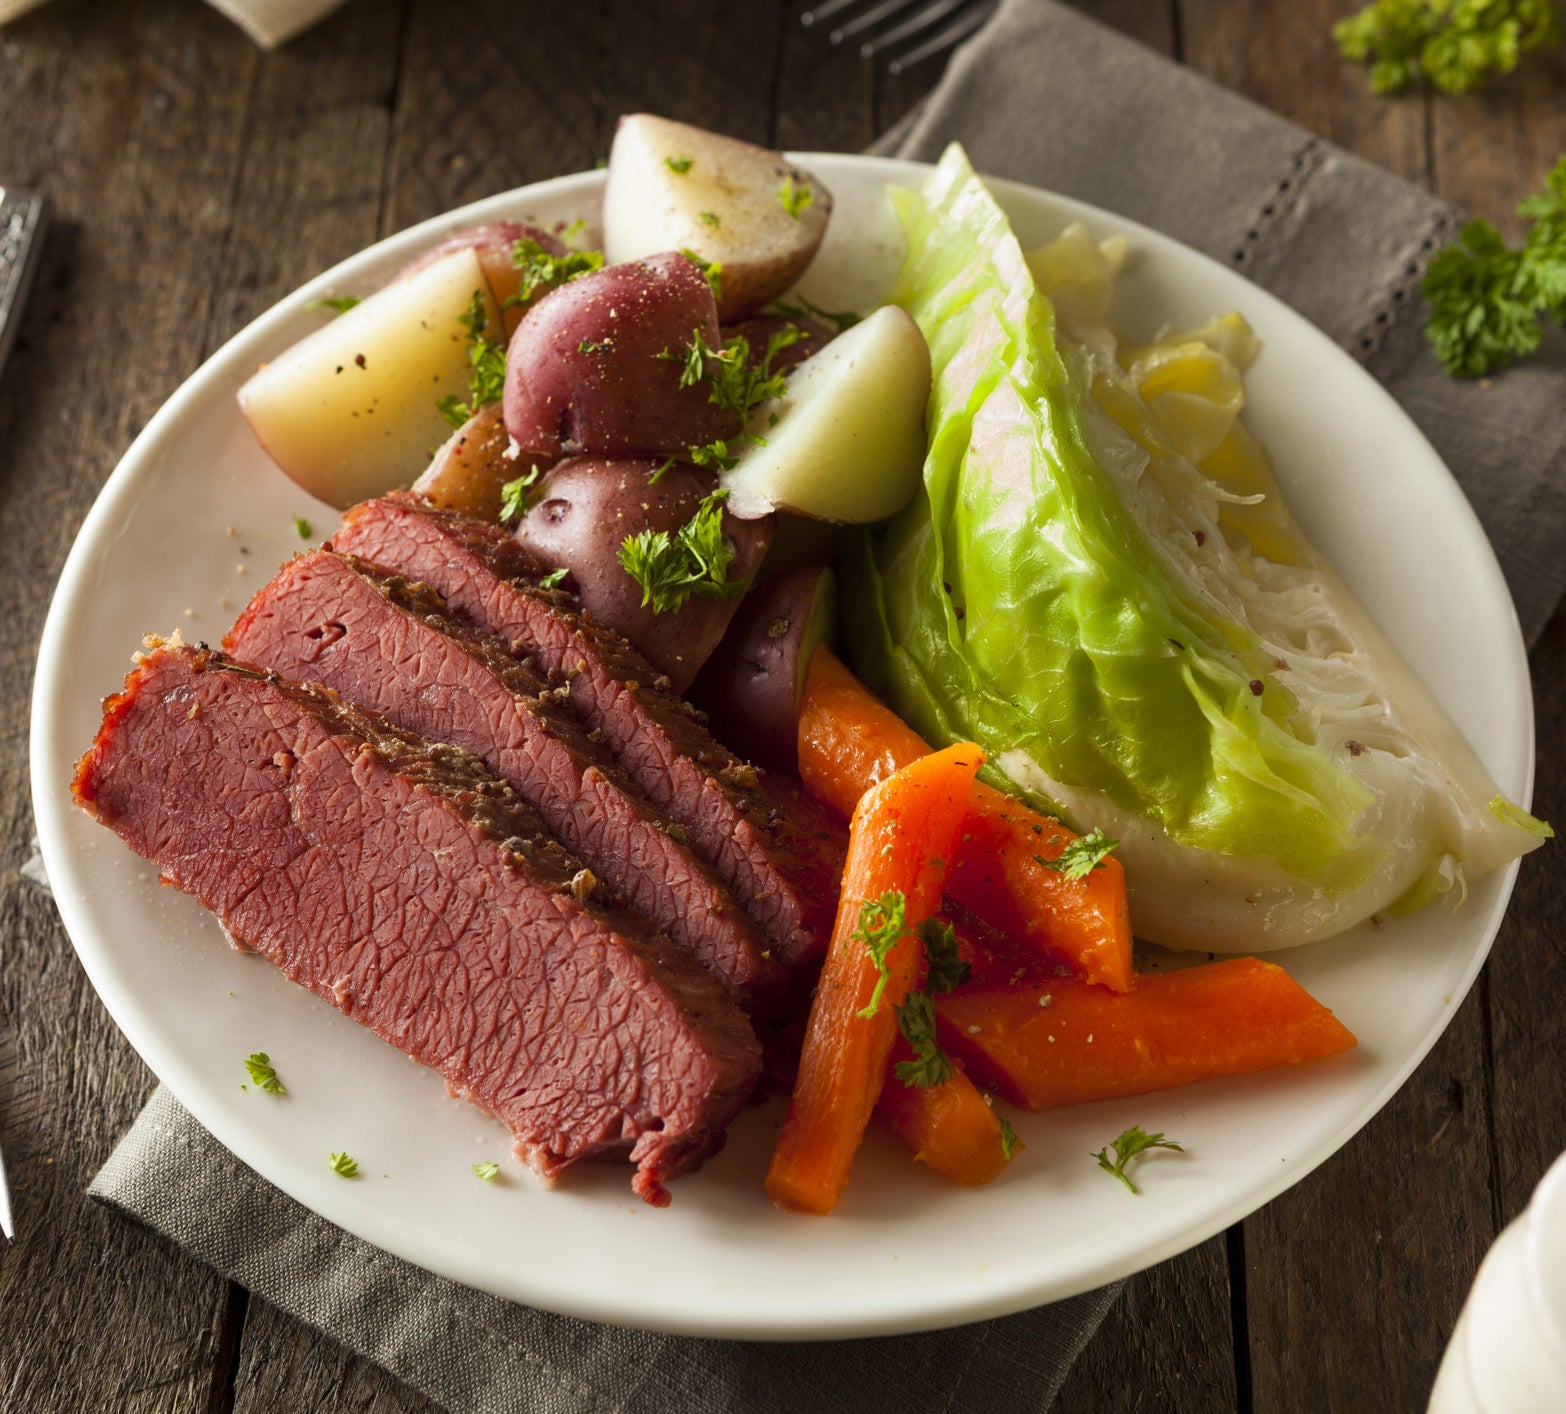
{"x": 928, "y": 27}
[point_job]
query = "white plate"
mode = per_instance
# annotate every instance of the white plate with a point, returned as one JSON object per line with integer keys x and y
{"x": 195, "y": 518}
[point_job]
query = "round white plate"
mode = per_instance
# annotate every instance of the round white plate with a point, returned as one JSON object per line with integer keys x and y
{"x": 195, "y": 519}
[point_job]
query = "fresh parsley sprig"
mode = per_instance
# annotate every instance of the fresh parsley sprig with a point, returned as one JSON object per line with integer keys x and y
{"x": 488, "y": 1171}
{"x": 916, "y": 1020}
{"x": 344, "y": 1164}
{"x": 1486, "y": 298}
{"x": 694, "y": 560}
{"x": 542, "y": 272}
{"x": 516, "y": 496}
{"x": 262, "y": 1075}
{"x": 338, "y": 304}
{"x": 486, "y": 366}
{"x": 1135, "y": 1142}
{"x": 882, "y": 921}
{"x": 1082, "y": 856}
{"x": 947, "y": 969}
{"x": 794, "y": 196}
{"x": 1454, "y": 44}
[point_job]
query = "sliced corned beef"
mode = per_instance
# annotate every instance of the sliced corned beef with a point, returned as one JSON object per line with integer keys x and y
{"x": 392, "y": 647}
{"x": 778, "y": 851}
{"x": 421, "y": 896}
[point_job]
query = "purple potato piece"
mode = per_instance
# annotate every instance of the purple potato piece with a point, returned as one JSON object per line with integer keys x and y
{"x": 751, "y": 686}
{"x": 587, "y": 373}
{"x": 493, "y": 243}
{"x": 581, "y": 513}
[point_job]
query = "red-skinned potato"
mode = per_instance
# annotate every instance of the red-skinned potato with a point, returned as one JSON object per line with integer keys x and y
{"x": 580, "y": 514}
{"x": 585, "y": 376}
{"x": 494, "y": 243}
{"x": 472, "y": 466}
{"x": 751, "y": 686}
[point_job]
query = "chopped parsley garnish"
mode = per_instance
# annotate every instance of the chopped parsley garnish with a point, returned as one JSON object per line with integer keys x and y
{"x": 712, "y": 269}
{"x": 679, "y": 165}
{"x": 555, "y": 578}
{"x": 794, "y": 196}
{"x": 882, "y": 921}
{"x": 486, "y": 366}
{"x": 710, "y": 454}
{"x": 694, "y": 560}
{"x": 930, "y": 1065}
{"x": 736, "y": 382}
{"x": 542, "y": 271}
{"x": 573, "y": 233}
{"x": 1486, "y": 298}
{"x": 802, "y": 308}
{"x": 947, "y": 969}
{"x": 262, "y": 1076}
{"x": 1081, "y": 857}
{"x": 1009, "y": 1140}
{"x": 1456, "y": 44}
{"x": 487, "y": 1171}
{"x": 1130, "y": 1145}
{"x": 338, "y": 304}
{"x": 711, "y": 218}
{"x": 305, "y": 529}
{"x": 344, "y": 1164}
{"x": 594, "y": 346}
{"x": 516, "y": 497}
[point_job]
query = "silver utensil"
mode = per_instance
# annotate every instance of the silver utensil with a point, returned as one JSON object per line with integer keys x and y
{"x": 927, "y": 27}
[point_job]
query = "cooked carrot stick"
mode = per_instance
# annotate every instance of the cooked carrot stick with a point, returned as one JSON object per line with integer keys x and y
{"x": 898, "y": 843}
{"x": 1061, "y": 1042}
{"x": 950, "y": 1126}
{"x": 849, "y": 740}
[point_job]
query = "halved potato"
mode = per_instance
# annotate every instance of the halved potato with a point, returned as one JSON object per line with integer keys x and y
{"x": 674, "y": 187}
{"x": 469, "y": 471}
{"x": 846, "y": 440}
{"x": 349, "y": 412}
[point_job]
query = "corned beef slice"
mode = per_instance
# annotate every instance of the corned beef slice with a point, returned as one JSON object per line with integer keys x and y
{"x": 780, "y": 852}
{"x": 390, "y": 646}
{"x": 421, "y": 896}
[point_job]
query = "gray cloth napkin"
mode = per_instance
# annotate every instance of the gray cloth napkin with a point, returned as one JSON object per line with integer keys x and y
{"x": 1046, "y": 96}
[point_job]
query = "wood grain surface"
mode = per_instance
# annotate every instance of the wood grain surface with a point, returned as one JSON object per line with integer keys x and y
{"x": 194, "y": 181}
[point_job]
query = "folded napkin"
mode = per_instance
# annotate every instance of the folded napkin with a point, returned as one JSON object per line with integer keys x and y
{"x": 1046, "y": 96}
{"x": 267, "y": 22}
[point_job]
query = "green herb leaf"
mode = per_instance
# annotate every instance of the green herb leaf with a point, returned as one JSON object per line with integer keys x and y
{"x": 930, "y": 1065}
{"x": 344, "y": 1164}
{"x": 712, "y": 269}
{"x": 487, "y": 1171}
{"x": 679, "y": 165}
{"x": 795, "y": 197}
{"x": 711, "y": 218}
{"x": 882, "y": 922}
{"x": 542, "y": 271}
{"x": 262, "y": 1076}
{"x": 1009, "y": 1140}
{"x": 1130, "y": 1145}
{"x": 1454, "y": 44}
{"x": 516, "y": 496}
{"x": 554, "y": 579}
{"x": 694, "y": 560}
{"x": 802, "y": 308}
{"x": 947, "y": 969}
{"x": 305, "y": 529}
{"x": 1081, "y": 857}
{"x": 486, "y": 366}
{"x": 338, "y": 304}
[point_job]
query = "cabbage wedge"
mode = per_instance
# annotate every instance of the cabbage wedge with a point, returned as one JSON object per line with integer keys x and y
{"x": 1100, "y": 582}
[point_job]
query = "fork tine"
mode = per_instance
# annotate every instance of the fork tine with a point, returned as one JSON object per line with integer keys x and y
{"x": 824, "y": 11}
{"x": 948, "y": 38}
{"x": 885, "y": 10}
{"x": 915, "y": 24}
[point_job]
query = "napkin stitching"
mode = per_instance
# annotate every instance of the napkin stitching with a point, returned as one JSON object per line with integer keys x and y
{"x": 1282, "y": 200}
{"x": 973, "y": 1354}
{"x": 1375, "y": 331}
{"x": 276, "y": 1198}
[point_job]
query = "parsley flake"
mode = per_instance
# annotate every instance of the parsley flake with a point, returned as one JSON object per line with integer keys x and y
{"x": 516, "y": 497}
{"x": 305, "y": 529}
{"x": 947, "y": 969}
{"x": 1009, "y": 1141}
{"x": 338, "y": 304}
{"x": 679, "y": 165}
{"x": 487, "y": 1171}
{"x": 1081, "y": 857}
{"x": 542, "y": 272}
{"x": 262, "y": 1076}
{"x": 712, "y": 269}
{"x": 694, "y": 560}
{"x": 344, "y": 1164}
{"x": 554, "y": 579}
{"x": 882, "y": 922}
{"x": 794, "y": 196}
{"x": 711, "y": 218}
{"x": 930, "y": 1065}
{"x": 1130, "y": 1145}
{"x": 486, "y": 366}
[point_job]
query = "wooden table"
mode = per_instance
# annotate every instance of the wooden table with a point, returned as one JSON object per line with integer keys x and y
{"x": 195, "y": 181}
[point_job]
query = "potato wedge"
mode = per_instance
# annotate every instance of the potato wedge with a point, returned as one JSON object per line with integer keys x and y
{"x": 349, "y": 412}
{"x": 846, "y": 440}
{"x": 674, "y": 187}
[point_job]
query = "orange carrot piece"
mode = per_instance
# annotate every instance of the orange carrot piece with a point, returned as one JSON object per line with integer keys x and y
{"x": 900, "y": 839}
{"x": 1086, "y": 1043}
{"x": 950, "y": 1126}
{"x": 849, "y": 740}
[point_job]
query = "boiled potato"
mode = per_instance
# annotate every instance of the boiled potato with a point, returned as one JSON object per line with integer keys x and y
{"x": 751, "y": 686}
{"x": 674, "y": 187}
{"x": 846, "y": 440}
{"x": 494, "y": 244}
{"x": 596, "y": 366}
{"x": 349, "y": 412}
{"x": 581, "y": 513}
{"x": 470, "y": 469}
